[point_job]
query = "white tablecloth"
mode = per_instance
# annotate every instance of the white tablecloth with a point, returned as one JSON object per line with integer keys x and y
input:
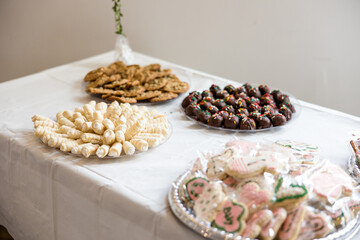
{"x": 46, "y": 194}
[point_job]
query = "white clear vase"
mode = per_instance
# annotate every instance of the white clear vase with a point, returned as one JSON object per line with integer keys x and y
{"x": 123, "y": 51}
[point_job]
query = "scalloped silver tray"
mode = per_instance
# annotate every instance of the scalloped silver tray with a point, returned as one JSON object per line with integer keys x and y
{"x": 186, "y": 216}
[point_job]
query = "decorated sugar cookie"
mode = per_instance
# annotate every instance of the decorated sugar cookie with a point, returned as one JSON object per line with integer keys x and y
{"x": 256, "y": 222}
{"x": 316, "y": 226}
{"x": 231, "y": 217}
{"x": 208, "y": 203}
{"x": 270, "y": 230}
{"x": 289, "y": 195}
{"x": 216, "y": 164}
{"x": 230, "y": 181}
{"x": 254, "y": 197}
{"x": 337, "y": 217}
{"x": 194, "y": 187}
{"x": 291, "y": 227}
{"x": 354, "y": 207}
{"x": 244, "y": 147}
{"x": 244, "y": 167}
{"x": 331, "y": 182}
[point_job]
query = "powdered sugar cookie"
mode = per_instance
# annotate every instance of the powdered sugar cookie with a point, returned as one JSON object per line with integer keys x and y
{"x": 289, "y": 195}
{"x": 256, "y": 222}
{"x": 231, "y": 217}
{"x": 291, "y": 228}
{"x": 330, "y": 182}
{"x": 270, "y": 230}
{"x": 194, "y": 187}
{"x": 253, "y": 196}
{"x": 316, "y": 225}
{"x": 208, "y": 203}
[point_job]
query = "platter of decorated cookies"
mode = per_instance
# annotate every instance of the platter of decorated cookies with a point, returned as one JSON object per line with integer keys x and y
{"x": 101, "y": 130}
{"x": 136, "y": 84}
{"x": 246, "y": 108}
{"x": 266, "y": 190}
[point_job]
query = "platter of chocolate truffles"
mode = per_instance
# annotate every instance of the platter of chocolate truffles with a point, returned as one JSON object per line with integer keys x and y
{"x": 247, "y": 108}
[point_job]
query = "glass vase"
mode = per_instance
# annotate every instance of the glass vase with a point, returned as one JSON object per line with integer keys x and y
{"x": 123, "y": 51}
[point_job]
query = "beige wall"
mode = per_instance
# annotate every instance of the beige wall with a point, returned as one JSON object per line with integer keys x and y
{"x": 309, "y": 48}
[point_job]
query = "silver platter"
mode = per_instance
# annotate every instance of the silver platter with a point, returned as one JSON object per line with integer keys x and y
{"x": 186, "y": 215}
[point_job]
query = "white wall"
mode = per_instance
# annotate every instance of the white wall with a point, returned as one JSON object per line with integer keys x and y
{"x": 310, "y": 48}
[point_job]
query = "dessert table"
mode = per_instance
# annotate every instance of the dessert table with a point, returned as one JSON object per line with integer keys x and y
{"x": 47, "y": 194}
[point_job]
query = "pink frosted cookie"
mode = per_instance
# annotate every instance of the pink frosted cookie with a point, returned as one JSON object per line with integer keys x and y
{"x": 291, "y": 228}
{"x": 231, "y": 217}
{"x": 244, "y": 167}
{"x": 331, "y": 182}
{"x": 230, "y": 181}
{"x": 270, "y": 230}
{"x": 303, "y": 152}
{"x": 216, "y": 164}
{"x": 256, "y": 222}
{"x": 254, "y": 197}
{"x": 289, "y": 195}
{"x": 194, "y": 187}
{"x": 208, "y": 203}
{"x": 354, "y": 207}
{"x": 337, "y": 217}
{"x": 244, "y": 147}
{"x": 316, "y": 226}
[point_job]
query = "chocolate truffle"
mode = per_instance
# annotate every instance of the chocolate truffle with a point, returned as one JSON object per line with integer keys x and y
{"x": 252, "y": 100}
{"x": 196, "y": 94}
{"x": 215, "y": 120}
{"x": 212, "y": 109}
{"x": 255, "y": 115}
{"x": 286, "y": 112}
{"x": 232, "y": 121}
{"x": 242, "y": 111}
{"x": 276, "y": 94}
{"x": 247, "y": 124}
{"x": 268, "y": 108}
{"x": 214, "y": 88}
{"x": 219, "y": 103}
{"x": 254, "y": 92}
{"x": 204, "y": 116}
{"x": 229, "y": 109}
{"x": 278, "y": 120}
{"x": 263, "y": 122}
{"x": 264, "y": 89}
{"x": 229, "y": 88}
{"x": 240, "y": 103}
{"x": 288, "y": 105}
{"x": 254, "y": 107}
{"x": 242, "y": 96}
{"x": 192, "y": 110}
{"x": 208, "y": 99}
{"x": 221, "y": 94}
{"x": 188, "y": 100}
{"x": 224, "y": 114}
{"x": 247, "y": 86}
{"x": 204, "y": 105}
{"x": 283, "y": 98}
{"x": 239, "y": 90}
{"x": 241, "y": 116}
{"x": 207, "y": 93}
{"x": 230, "y": 100}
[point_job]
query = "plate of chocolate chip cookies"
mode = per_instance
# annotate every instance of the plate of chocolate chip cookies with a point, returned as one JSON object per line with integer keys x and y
{"x": 246, "y": 108}
{"x": 136, "y": 84}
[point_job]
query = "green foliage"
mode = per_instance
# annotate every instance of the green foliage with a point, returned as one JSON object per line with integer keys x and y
{"x": 118, "y": 15}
